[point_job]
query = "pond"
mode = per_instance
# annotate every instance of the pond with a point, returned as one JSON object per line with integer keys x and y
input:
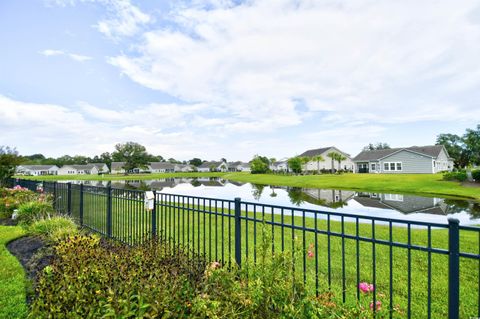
{"x": 396, "y": 206}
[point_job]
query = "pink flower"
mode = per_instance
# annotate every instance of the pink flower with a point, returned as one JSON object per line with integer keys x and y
{"x": 378, "y": 307}
{"x": 310, "y": 254}
{"x": 366, "y": 287}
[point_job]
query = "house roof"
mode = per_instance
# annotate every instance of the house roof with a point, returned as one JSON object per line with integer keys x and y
{"x": 429, "y": 150}
{"x": 99, "y": 165}
{"x": 80, "y": 167}
{"x": 209, "y": 164}
{"x": 161, "y": 165}
{"x": 38, "y": 167}
{"x": 117, "y": 165}
{"x": 315, "y": 152}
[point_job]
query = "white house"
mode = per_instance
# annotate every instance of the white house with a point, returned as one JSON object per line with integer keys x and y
{"x": 280, "y": 166}
{"x": 238, "y": 166}
{"x": 161, "y": 167}
{"x": 88, "y": 169}
{"x": 117, "y": 168}
{"x": 428, "y": 159}
{"x": 213, "y": 167}
{"x": 102, "y": 168}
{"x": 183, "y": 168}
{"x": 327, "y": 163}
{"x": 37, "y": 170}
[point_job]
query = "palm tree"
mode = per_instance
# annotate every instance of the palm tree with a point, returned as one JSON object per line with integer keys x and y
{"x": 304, "y": 160}
{"x": 339, "y": 159}
{"x": 333, "y": 156}
{"x": 318, "y": 159}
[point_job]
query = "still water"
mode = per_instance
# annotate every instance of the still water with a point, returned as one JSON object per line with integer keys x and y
{"x": 397, "y": 206}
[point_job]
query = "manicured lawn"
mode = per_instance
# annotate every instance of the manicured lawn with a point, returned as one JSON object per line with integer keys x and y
{"x": 425, "y": 184}
{"x": 12, "y": 277}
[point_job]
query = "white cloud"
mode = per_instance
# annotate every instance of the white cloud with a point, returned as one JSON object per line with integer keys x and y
{"x": 73, "y": 56}
{"x": 386, "y": 62}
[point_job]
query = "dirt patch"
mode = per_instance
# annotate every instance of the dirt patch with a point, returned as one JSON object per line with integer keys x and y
{"x": 471, "y": 184}
{"x": 34, "y": 255}
{"x": 8, "y": 222}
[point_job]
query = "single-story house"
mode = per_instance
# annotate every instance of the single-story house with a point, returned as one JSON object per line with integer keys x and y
{"x": 161, "y": 167}
{"x": 37, "y": 170}
{"x": 213, "y": 167}
{"x": 87, "y": 169}
{"x": 183, "y": 168}
{"x": 102, "y": 168}
{"x": 280, "y": 166}
{"x": 117, "y": 168}
{"x": 238, "y": 166}
{"x": 428, "y": 159}
{"x": 327, "y": 163}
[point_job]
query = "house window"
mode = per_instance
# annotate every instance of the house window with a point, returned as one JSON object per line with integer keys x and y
{"x": 394, "y": 197}
{"x": 392, "y": 166}
{"x": 373, "y": 167}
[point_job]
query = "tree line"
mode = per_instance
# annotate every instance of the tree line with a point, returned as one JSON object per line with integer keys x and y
{"x": 464, "y": 149}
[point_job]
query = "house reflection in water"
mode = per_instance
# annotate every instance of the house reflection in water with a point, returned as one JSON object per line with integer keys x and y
{"x": 407, "y": 204}
{"x": 333, "y": 198}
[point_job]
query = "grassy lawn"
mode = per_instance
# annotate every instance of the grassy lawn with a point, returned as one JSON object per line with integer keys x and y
{"x": 425, "y": 184}
{"x": 12, "y": 277}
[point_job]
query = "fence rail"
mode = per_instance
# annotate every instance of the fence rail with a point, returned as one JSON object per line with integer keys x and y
{"x": 428, "y": 270}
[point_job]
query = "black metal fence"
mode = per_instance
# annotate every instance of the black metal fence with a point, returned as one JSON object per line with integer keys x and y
{"x": 417, "y": 269}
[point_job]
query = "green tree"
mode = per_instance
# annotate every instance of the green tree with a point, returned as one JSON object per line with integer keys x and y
{"x": 295, "y": 164}
{"x": 133, "y": 154}
{"x": 333, "y": 156}
{"x": 259, "y": 165}
{"x": 376, "y": 146}
{"x": 339, "y": 157}
{"x": 318, "y": 159}
{"x": 195, "y": 162}
{"x": 9, "y": 160}
{"x": 472, "y": 144}
{"x": 455, "y": 147}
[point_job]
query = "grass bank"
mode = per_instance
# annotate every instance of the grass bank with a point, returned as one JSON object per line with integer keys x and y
{"x": 425, "y": 184}
{"x": 12, "y": 277}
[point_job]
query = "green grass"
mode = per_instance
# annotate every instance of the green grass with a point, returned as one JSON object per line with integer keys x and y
{"x": 424, "y": 184}
{"x": 421, "y": 184}
{"x": 12, "y": 277}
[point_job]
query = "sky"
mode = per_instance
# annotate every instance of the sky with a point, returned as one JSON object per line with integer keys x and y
{"x": 230, "y": 79}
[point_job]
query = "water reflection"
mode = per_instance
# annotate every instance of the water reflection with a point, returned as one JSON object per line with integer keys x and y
{"x": 420, "y": 208}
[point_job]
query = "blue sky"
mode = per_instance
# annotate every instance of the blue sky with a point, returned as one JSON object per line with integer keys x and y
{"x": 231, "y": 79}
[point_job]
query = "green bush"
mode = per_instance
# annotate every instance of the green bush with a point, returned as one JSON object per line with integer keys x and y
{"x": 460, "y": 176}
{"x": 31, "y": 211}
{"x": 54, "y": 228}
{"x": 94, "y": 278}
{"x": 476, "y": 175}
{"x": 12, "y": 198}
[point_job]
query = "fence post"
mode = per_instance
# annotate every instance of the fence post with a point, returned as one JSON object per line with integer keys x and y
{"x": 69, "y": 199}
{"x": 109, "y": 211}
{"x": 55, "y": 196}
{"x": 154, "y": 215}
{"x": 238, "y": 232}
{"x": 81, "y": 205}
{"x": 453, "y": 268}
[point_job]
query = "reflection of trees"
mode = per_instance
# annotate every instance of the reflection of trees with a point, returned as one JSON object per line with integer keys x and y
{"x": 195, "y": 182}
{"x": 273, "y": 194}
{"x": 475, "y": 210}
{"x": 296, "y": 195}
{"x": 257, "y": 191}
{"x": 455, "y": 206}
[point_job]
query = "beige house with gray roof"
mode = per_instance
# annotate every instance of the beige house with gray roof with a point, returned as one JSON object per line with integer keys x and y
{"x": 326, "y": 164}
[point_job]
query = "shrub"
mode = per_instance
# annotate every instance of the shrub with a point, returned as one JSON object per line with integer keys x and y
{"x": 476, "y": 175}
{"x": 54, "y": 228}
{"x": 31, "y": 211}
{"x": 94, "y": 278}
{"x": 460, "y": 176}
{"x": 12, "y": 198}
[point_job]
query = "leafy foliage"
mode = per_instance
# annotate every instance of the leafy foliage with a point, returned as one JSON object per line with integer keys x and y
{"x": 476, "y": 175}
{"x": 295, "y": 164}
{"x": 376, "y": 146}
{"x": 260, "y": 165}
{"x": 54, "y": 228}
{"x": 35, "y": 210}
{"x": 94, "y": 278}
{"x": 460, "y": 176}
{"x": 465, "y": 150}
{"x": 9, "y": 160}
{"x": 12, "y": 198}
